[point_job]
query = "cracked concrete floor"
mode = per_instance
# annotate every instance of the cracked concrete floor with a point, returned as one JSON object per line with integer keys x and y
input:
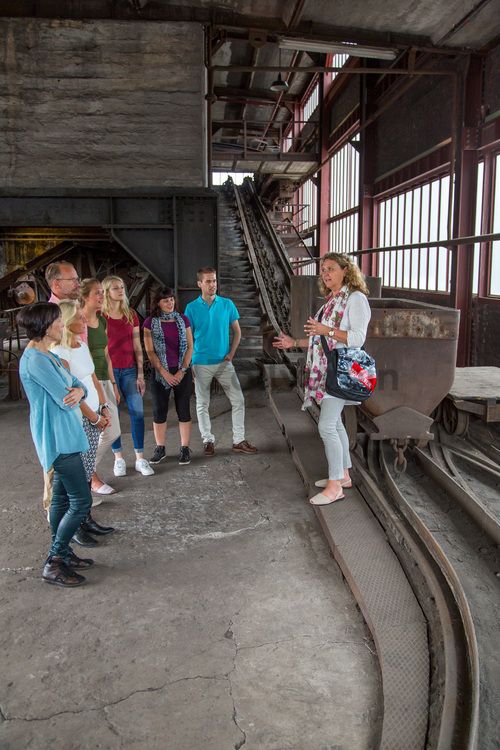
{"x": 214, "y": 618}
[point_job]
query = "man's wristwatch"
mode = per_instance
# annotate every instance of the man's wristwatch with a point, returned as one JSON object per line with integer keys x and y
{"x": 102, "y": 407}
{"x": 331, "y": 334}
{"x": 184, "y": 369}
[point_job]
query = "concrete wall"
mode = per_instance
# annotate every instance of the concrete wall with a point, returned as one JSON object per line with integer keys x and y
{"x": 105, "y": 104}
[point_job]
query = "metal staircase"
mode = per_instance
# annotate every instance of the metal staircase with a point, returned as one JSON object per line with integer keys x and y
{"x": 236, "y": 281}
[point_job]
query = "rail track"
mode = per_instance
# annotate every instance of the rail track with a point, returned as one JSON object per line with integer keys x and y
{"x": 444, "y": 527}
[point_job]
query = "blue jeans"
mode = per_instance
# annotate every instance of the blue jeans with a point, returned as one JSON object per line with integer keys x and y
{"x": 71, "y": 501}
{"x": 126, "y": 380}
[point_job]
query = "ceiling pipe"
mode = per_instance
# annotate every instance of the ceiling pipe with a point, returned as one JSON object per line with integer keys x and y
{"x": 293, "y": 68}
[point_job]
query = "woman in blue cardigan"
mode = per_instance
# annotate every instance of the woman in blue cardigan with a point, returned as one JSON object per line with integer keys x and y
{"x": 56, "y": 427}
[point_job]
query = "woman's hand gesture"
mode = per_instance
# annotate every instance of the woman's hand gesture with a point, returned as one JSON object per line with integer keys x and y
{"x": 283, "y": 341}
{"x": 74, "y": 396}
{"x": 314, "y": 328}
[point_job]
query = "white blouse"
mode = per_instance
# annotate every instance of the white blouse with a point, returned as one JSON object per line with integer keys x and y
{"x": 355, "y": 319}
{"x": 82, "y": 366}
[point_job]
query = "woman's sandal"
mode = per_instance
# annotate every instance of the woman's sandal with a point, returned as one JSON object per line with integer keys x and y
{"x": 321, "y": 499}
{"x": 104, "y": 489}
{"x": 347, "y": 484}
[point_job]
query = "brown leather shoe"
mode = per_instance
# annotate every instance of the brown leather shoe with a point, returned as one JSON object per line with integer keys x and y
{"x": 58, "y": 573}
{"x": 244, "y": 447}
{"x": 208, "y": 449}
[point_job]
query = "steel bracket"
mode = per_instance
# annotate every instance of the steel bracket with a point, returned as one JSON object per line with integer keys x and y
{"x": 402, "y": 423}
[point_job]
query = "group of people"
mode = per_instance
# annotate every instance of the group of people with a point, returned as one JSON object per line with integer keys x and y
{"x": 84, "y": 356}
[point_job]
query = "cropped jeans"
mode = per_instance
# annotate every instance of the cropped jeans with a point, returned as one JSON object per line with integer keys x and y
{"x": 126, "y": 380}
{"x": 334, "y": 436}
{"x": 70, "y": 503}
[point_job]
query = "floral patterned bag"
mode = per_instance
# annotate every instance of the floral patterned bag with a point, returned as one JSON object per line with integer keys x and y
{"x": 351, "y": 373}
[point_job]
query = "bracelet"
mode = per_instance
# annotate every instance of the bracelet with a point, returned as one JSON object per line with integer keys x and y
{"x": 94, "y": 424}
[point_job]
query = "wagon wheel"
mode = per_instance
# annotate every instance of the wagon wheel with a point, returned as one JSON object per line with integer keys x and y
{"x": 437, "y": 414}
{"x": 351, "y": 425}
{"x": 454, "y": 421}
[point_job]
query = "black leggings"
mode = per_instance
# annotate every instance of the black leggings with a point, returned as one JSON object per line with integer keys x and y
{"x": 182, "y": 395}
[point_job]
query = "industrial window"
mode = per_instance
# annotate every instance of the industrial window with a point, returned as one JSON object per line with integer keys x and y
{"x": 417, "y": 215}
{"x": 219, "y": 178}
{"x": 338, "y": 61}
{"x": 311, "y": 103}
{"x": 486, "y": 269}
{"x": 495, "y": 227}
{"x": 477, "y": 227}
{"x": 308, "y": 198}
{"x": 344, "y": 199}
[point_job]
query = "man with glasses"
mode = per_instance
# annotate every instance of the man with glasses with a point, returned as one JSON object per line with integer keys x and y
{"x": 63, "y": 281}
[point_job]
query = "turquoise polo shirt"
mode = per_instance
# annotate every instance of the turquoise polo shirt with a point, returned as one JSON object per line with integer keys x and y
{"x": 210, "y": 325}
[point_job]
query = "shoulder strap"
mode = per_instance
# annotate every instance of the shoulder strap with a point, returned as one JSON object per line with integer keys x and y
{"x": 328, "y": 353}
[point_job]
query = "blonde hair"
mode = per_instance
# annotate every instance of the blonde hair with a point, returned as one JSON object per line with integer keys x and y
{"x": 353, "y": 277}
{"x": 69, "y": 308}
{"x": 86, "y": 287}
{"x": 124, "y": 309}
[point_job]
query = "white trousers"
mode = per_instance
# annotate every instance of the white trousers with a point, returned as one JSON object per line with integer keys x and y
{"x": 113, "y": 430}
{"x": 225, "y": 374}
{"x": 334, "y": 436}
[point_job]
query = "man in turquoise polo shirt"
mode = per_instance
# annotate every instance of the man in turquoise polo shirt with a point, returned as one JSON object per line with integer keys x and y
{"x": 211, "y": 317}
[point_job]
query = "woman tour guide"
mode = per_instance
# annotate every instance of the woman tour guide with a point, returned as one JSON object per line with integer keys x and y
{"x": 343, "y": 320}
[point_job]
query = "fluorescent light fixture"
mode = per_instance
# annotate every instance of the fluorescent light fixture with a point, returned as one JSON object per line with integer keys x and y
{"x": 347, "y": 48}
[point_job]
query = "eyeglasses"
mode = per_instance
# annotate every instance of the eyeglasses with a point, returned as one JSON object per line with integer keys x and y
{"x": 73, "y": 278}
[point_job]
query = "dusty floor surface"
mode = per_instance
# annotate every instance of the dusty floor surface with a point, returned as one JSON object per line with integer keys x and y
{"x": 214, "y": 617}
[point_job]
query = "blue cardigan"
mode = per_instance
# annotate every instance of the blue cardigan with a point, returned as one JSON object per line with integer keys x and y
{"x": 55, "y": 427}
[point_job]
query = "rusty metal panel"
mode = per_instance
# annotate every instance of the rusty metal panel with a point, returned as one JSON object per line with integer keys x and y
{"x": 415, "y": 348}
{"x": 196, "y": 228}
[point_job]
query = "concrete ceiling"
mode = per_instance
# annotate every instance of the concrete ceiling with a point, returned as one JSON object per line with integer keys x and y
{"x": 452, "y": 26}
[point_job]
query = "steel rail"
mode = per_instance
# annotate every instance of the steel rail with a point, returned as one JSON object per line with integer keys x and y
{"x": 468, "y": 686}
{"x": 441, "y": 595}
{"x": 448, "y": 640}
{"x": 474, "y": 508}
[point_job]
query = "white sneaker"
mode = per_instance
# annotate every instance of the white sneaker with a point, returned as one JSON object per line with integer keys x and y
{"x": 143, "y": 466}
{"x": 120, "y": 467}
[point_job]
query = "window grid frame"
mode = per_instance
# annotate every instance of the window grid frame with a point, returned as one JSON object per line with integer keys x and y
{"x": 433, "y": 265}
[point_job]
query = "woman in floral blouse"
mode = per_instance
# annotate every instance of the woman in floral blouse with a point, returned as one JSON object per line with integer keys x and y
{"x": 343, "y": 320}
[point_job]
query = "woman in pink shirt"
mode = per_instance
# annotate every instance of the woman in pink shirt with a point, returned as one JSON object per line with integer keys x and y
{"x": 125, "y": 351}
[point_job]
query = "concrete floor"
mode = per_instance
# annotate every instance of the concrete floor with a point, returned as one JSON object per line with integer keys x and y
{"x": 214, "y": 618}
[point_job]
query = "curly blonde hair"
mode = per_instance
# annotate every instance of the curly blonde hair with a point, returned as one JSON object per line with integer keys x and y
{"x": 125, "y": 309}
{"x": 353, "y": 277}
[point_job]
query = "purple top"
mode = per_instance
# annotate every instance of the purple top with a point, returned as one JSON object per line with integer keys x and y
{"x": 171, "y": 334}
